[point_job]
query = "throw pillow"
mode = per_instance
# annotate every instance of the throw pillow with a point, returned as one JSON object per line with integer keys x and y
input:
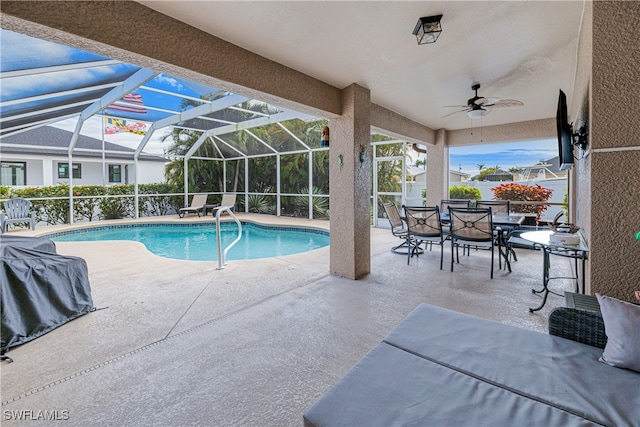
{"x": 622, "y": 326}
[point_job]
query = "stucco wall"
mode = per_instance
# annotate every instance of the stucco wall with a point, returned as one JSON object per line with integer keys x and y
{"x": 615, "y": 149}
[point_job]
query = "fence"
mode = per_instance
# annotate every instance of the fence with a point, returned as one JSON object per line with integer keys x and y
{"x": 557, "y": 200}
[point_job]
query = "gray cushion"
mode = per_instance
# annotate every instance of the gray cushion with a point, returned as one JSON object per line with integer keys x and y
{"x": 391, "y": 387}
{"x": 562, "y": 372}
{"x": 441, "y": 367}
{"x": 622, "y": 326}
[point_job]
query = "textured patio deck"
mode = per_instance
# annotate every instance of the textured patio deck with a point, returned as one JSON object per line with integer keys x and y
{"x": 181, "y": 343}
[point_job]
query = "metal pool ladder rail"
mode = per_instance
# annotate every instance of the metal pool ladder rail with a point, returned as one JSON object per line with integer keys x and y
{"x": 222, "y": 255}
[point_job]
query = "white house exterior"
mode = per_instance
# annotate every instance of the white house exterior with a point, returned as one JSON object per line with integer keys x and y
{"x": 40, "y": 158}
{"x": 417, "y": 174}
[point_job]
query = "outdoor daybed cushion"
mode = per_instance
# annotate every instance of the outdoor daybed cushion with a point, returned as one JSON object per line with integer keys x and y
{"x": 440, "y": 367}
{"x": 40, "y": 289}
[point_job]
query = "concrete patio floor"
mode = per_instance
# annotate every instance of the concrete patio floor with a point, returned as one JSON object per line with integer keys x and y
{"x": 255, "y": 344}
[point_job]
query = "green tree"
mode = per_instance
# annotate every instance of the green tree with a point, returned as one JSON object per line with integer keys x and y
{"x": 481, "y": 176}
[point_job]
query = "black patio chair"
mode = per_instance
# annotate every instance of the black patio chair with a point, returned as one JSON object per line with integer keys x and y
{"x": 424, "y": 226}
{"x": 471, "y": 227}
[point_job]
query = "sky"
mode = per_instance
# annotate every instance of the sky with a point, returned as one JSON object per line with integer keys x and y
{"x": 504, "y": 155}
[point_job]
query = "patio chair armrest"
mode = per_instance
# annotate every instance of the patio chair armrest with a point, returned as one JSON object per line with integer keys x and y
{"x": 583, "y": 326}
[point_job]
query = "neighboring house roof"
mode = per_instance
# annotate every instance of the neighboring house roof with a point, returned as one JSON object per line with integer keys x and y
{"x": 499, "y": 175}
{"x": 53, "y": 141}
{"x": 552, "y": 165}
{"x": 413, "y": 171}
{"x": 462, "y": 174}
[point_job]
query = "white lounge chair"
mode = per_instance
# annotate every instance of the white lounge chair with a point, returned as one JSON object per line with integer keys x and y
{"x": 17, "y": 210}
{"x": 227, "y": 200}
{"x": 197, "y": 205}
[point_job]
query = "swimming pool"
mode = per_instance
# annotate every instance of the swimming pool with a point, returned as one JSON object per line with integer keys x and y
{"x": 197, "y": 242}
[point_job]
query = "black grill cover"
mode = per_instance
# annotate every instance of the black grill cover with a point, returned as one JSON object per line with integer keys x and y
{"x": 41, "y": 289}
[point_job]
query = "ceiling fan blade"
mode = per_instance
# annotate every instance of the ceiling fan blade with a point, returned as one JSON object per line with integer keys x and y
{"x": 501, "y": 103}
{"x": 455, "y": 106}
{"x": 488, "y": 101}
{"x": 455, "y": 112}
{"x": 480, "y": 101}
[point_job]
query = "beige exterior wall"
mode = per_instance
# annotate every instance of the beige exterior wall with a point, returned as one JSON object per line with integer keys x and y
{"x": 521, "y": 131}
{"x": 608, "y": 181}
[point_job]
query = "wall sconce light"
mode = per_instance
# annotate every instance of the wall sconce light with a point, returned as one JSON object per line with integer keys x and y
{"x": 363, "y": 153}
{"x": 428, "y": 29}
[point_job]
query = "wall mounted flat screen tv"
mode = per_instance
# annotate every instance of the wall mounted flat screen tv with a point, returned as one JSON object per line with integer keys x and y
{"x": 565, "y": 134}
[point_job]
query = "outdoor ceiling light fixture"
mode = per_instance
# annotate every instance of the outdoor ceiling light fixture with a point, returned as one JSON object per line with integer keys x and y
{"x": 428, "y": 29}
{"x": 477, "y": 113}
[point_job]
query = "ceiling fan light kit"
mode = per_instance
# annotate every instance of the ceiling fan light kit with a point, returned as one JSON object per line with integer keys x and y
{"x": 428, "y": 29}
{"x": 477, "y": 113}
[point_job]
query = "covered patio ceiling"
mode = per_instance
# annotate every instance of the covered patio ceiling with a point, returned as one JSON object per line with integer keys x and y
{"x": 45, "y": 82}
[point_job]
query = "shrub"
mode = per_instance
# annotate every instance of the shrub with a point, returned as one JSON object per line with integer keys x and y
{"x": 525, "y": 193}
{"x": 464, "y": 192}
{"x": 118, "y": 207}
{"x": 153, "y": 203}
{"x": 320, "y": 205}
{"x": 85, "y": 207}
{"x": 259, "y": 204}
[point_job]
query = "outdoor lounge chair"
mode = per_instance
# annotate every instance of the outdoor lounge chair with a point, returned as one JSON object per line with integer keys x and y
{"x": 17, "y": 210}
{"x": 227, "y": 200}
{"x": 197, "y": 205}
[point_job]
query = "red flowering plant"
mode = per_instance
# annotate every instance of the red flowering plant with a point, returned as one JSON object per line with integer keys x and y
{"x": 524, "y": 193}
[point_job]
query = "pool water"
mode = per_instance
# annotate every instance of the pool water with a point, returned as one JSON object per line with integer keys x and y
{"x": 197, "y": 242}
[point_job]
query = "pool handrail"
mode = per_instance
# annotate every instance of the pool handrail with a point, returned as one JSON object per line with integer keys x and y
{"x": 222, "y": 255}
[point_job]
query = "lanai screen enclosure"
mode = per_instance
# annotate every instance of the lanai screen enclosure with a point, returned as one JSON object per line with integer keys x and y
{"x": 214, "y": 141}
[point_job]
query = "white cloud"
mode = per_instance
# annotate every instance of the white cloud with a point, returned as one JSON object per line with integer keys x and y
{"x": 170, "y": 81}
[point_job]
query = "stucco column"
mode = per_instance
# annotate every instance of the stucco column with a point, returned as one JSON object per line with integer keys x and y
{"x": 350, "y": 185}
{"x": 608, "y": 186}
{"x": 438, "y": 169}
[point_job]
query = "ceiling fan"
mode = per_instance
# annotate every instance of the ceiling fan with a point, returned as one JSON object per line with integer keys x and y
{"x": 479, "y": 106}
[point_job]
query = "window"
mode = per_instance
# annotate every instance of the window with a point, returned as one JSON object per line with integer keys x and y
{"x": 63, "y": 170}
{"x": 115, "y": 173}
{"x": 13, "y": 173}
